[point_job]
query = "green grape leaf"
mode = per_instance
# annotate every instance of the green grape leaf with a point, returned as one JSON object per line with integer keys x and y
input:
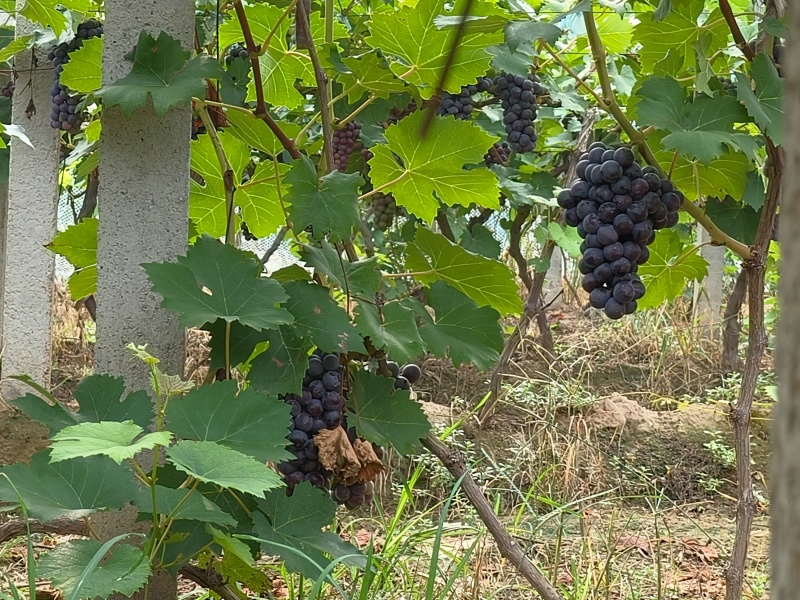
{"x": 566, "y": 238}
{"x": 72, "y": 489}
{"x": 214, "y": 463}
{"x": 281, "y": 67}
{"x": 231, "y": 545}
{"x": 517, "y": 62}
{"x": 385, "y": 415}
{"x": 700, "y": 129}
{"x": 393, "y": 328}
{"x": 261, "y": 199}
{"x": 108, "y": 438}
{"x": 676, "y": 34}
{"x": 256, "y": 133}
{"x": 243, "y": 341}
{"x": 321, "y": 319}
{"x": 77, "y": 243}
{"x": 281, "y": 368}
{"x": 763, "y": 96}
{"x": 99, "y": 398}
{"x": 292, "y": 528}
{"x": 83, "y": 73}
{"x": 615, "y": 31}
{"x": 16, "y": 45}
{"x": 216, "y": 281}
{"x": 369, "y": 75}
{"x": 670, "y": 265}
{"x": 254, "y": 424}
{"x": 737, "y": 220}
{"x": 361, "y": 277}
{"x": 461, "y": 331}
{"x": 123, "y": 570}
{"x": 411, "y": 34}
{"x": 162, "y": 71}
{"x": 432, "y": 257}
{"x": 182, "y": 505}
{"x": 526, "y": 32}
{"x": 54, "y": 417}
{"x": 45, "y": 14}
{"x": 328, "y": 204}
{"x": 413, "y": 167}
{"x": 755, "y": 194}
{"x": 480, "y": 240}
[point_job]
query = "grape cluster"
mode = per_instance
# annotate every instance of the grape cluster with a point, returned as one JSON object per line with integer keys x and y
{"x": 246, "y": 233}
{"x": 518, "y": 98}
{"x": 617, "y": 206}
{"x": 405, "y": 376}
{"x": 727, "y": 84}
{"x": 8, "y": 89}
{"x": 236, "y": 52}
{"x": 344, "y": 141}
{"x": 384, "y": 210}
{"x": 461, "y": 105}
{"x": 497, "y": 155}
{"x": 65, "y": 114}
{"x": 319, "y": 406}
{"x": 354, "y": 495}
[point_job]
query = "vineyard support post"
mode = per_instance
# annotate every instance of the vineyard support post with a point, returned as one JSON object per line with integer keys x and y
{"x": 144, "y": 198}
{"x": 707, "y": 296}
{"x": 30, "y": 224}
{"x": 554, "y": 279}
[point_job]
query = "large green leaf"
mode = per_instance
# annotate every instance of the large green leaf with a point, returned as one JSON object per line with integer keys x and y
{"x": 414, "y": 167}
{"x": 526, "y": 32}
{"x": 368, "y": 74}
{"x": 243, "y": 341}
{"x": 78, "y": 244}
{"x": 108, "y": 438}
{"x": 461, "y": 331}
{"x": 249, "y": 128}
{"x": 292, "y": 528}
{"x": 385, "y": 415}
{"x": 45, "y": 14}
{"x": 670, "y": 266}
{"x": 182, "y": 505}
{"x": 254, "y": 423}
{"x": 412, "y": 35}
{"x": 281, "y": 66}
{"x": 124, "y": 570}
{"x": 480, "y": 240}
{"x": 74, "y": 488}
{"x": 361, "y": 277}
{"x": 214, "y": 463}
{"x": 100, "y": 398}
{"x": 217, "y": 281}
{"x": 280, "y": 369}
{"x": 319, "y": 317}
{"x": 160, "y": 70}
{"x": 700, "y": 129}
{"x": 392, "y": 328}
{"x": 433, "y": 257}
{"x": 83, "y": 73}
{"x": 329, "y": 205}
{"x": 737, "y": 220}
{"x": 763, "y": 96}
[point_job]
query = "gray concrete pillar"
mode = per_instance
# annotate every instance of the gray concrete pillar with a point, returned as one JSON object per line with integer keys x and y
{"x": 144, "y": 206}
{"x": 708, "y": 294}
{"x": 554, "y": 280}
{"x": 30, "y": 225}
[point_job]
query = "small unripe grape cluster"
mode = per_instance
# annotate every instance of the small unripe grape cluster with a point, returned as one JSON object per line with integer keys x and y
{"x": 384, "y": 210}
{"x": 8, "y": 89}
{"x": 344, "y": 141}
{"x": 616, "y": 206}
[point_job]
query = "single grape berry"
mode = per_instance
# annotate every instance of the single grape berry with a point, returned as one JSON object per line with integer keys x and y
{"x": 412, "y": 373}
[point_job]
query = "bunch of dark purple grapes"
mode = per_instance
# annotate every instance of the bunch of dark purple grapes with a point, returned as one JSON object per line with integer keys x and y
{"x": 8, "y": 89}
{"x": 236, "y": 52}
{"x": 319, "y": 406}
{"x": 518, "y": 98}
{"x": 617, "y": 206}
{"x": 65, "y": 114}
{"x": 498, "y": 154}
{"x": 405, "y": 376}
{"x": 344, "y": 141}
{"x": 384, "y": 210}
{"x": 462, "y": 104}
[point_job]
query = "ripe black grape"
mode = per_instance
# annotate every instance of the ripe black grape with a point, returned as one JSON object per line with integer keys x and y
{"x": 412, "y": 373}
{"x": 236, "y": 52}
{"x": 343, "y": 142}
{"x": 461, "y": 105}
{"x": 8, "y": 89}
{"x": 617, "y": 206}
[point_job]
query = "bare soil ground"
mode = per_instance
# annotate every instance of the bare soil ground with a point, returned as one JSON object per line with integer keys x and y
{"x": 600, "y": 462}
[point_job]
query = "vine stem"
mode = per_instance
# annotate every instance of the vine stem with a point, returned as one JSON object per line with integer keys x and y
{"x": 609, "y": 103}
{"x": 322, "y": 89}
{"x": 258, "y": 82}
{"x": 280, "y": 236}
{"x": 730, "y": 19}
{"x": 380, "y": 188}
{"x": 227, "y": 173}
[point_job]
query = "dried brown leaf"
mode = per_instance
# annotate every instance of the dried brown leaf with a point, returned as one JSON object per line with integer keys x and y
{"x": 371, "y": 465}
{"x": 337, "y": 454}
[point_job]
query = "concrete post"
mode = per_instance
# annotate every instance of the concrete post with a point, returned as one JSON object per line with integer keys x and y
{"x": 30, "y": 225}
{"x": 554, "y": 279}
{"x": 708, "y": 294}
{"x": 144, "y": 204}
